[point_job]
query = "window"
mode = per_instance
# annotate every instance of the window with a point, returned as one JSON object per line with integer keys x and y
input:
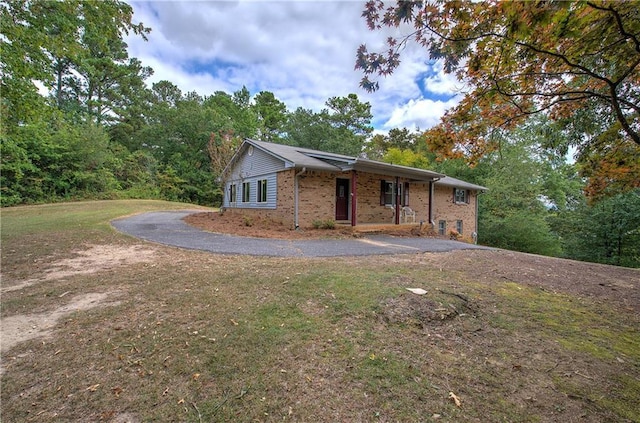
{"x": 460, "y": 196}
{"x": 388, "y": 191}
{"x": 262, "y": 191}
{"x": 232, "y": 193}
{"x": 442, "y": 227}
{"x": 459, "y": 227}
{"x": 246, "y": 192}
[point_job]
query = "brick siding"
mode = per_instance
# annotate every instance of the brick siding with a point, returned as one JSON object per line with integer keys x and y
{"x": 446, "y": 209}
{"x": 317, "y": 201}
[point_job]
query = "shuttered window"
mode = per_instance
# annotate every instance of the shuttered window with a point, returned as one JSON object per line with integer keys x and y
{"x": 388, "y": 191}
{"x": 460, "y": 196}
{"x": 232, "y": 193}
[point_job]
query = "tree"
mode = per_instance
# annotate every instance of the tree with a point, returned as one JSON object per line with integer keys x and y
{"x": 342, "y": 128}
{"x": 519, "y": 59}
{"x": 272, "y": 115}
{"x": 514, "y": 212}
{"x": 606, "y": 232}
{"x": 221, "y": 147}
{"x": 307, "y": 129}
{"x": 406, "y": 157}
{"x": 55, "y": 147}
{"x": 402, "y": 139}
{"x": 236, "y": 110}
{"x": 351, "y": 120}
{"x": 72, "y": 48}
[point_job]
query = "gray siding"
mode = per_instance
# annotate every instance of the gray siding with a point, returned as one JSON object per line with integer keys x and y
{"x": 251, "y": 169}
{"x": 253, "y": 202}
{"x": 257, "y": 164}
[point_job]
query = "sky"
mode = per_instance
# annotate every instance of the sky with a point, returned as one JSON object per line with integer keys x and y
{"x": 302, "y": 51}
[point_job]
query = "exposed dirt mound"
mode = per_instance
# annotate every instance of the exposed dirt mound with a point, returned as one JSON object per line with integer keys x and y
{"x": 425, "y": 310}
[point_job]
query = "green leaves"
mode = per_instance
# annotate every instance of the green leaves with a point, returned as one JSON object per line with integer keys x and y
{"x": 556, "y": 58}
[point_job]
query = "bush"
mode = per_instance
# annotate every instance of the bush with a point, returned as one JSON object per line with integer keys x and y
{"x": 248, "y": 221}
{"x": 324, "y": 224}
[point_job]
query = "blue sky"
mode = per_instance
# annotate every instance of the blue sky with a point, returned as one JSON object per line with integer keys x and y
{"x": 302, "y": 51}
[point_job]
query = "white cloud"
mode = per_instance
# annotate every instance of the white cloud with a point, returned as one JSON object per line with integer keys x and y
{"x": 302, "y": 51}
{"x": 414, "y": 114}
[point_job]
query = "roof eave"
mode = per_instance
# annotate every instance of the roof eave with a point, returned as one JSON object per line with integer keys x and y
{"x": 395, "y": 170}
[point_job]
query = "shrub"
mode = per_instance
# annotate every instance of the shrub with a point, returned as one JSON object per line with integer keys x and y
{"x": 324, "y": 224}
{"x": 248, "y": 221}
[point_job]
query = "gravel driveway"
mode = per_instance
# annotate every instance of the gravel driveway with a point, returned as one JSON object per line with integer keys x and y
{"x": 168, "y": 228}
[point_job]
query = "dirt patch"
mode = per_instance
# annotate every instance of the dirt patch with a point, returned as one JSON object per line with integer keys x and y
{"x": 22, "y": 327}
{"x": 92, "y": 259}
{"x": 425, "y": 310}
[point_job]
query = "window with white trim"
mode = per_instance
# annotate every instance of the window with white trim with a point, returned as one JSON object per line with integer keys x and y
{"x": 459, "y": 226}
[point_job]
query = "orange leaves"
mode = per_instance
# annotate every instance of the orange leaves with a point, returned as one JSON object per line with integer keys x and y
{"x": 520, "y": 58}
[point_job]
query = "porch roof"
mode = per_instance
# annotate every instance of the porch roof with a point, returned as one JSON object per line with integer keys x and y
{"x": 458, "y": 183}
{"x": 299, "y": 158}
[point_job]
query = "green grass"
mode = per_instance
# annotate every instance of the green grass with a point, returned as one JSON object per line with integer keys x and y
{"x": 202, "y": 337}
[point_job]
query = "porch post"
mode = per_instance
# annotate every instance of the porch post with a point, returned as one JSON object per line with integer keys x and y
{"x": 397, "y": 200}
{"x": 354, "y": 197}
{"x": 431, "y": 202}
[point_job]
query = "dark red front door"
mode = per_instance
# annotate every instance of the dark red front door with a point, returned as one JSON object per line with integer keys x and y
{"x": 342, "y": 199}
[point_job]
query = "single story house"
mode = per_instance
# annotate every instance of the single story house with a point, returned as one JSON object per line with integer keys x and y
{"x": 298, "y": 187}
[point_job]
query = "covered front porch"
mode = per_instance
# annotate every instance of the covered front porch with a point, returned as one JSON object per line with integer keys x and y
{"x": 384, "y": 195}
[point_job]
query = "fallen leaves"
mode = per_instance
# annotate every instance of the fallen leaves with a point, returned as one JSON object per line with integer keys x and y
{"x": 455, "y": 399}
{"x": 92, "y": 388}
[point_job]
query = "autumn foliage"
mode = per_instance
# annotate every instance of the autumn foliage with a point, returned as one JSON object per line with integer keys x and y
{"x": 521, "y": 59}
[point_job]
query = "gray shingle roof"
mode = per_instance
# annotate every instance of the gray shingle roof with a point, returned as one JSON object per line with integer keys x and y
{"x": 302, "y": 157}
{"x": 299, "y": 157}
{"x": 320, "y": 160}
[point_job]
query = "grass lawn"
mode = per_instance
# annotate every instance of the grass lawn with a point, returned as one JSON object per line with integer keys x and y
{"x": 110, "y": 328}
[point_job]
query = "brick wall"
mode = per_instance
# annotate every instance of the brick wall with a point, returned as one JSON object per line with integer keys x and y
{"x": 317, "y": 201}
{"x": 369, "y": 208}
{"x": 444, "y": 208}
{"x": 317, "y": 196}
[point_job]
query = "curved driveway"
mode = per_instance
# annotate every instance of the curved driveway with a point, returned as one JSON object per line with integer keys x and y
{"x": 167, "y": 227}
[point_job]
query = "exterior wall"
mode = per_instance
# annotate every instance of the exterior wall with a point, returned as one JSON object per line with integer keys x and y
{"x": 445, "y": 208}
{"x": 250, "y": 169}
{"x": 283, "y": 212}
{"x": 285, "y": 208}
{"x": 317, "y": 201}
{"x": 317, "y": 196}
{"x": 419, "y": 200}
{"x": 369, "y": 208}
{"x": 256, "y": 164}
{"x": 272, "y": 188}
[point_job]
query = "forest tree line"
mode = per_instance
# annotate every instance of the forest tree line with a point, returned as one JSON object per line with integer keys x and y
{"x": 79, "y": 121}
